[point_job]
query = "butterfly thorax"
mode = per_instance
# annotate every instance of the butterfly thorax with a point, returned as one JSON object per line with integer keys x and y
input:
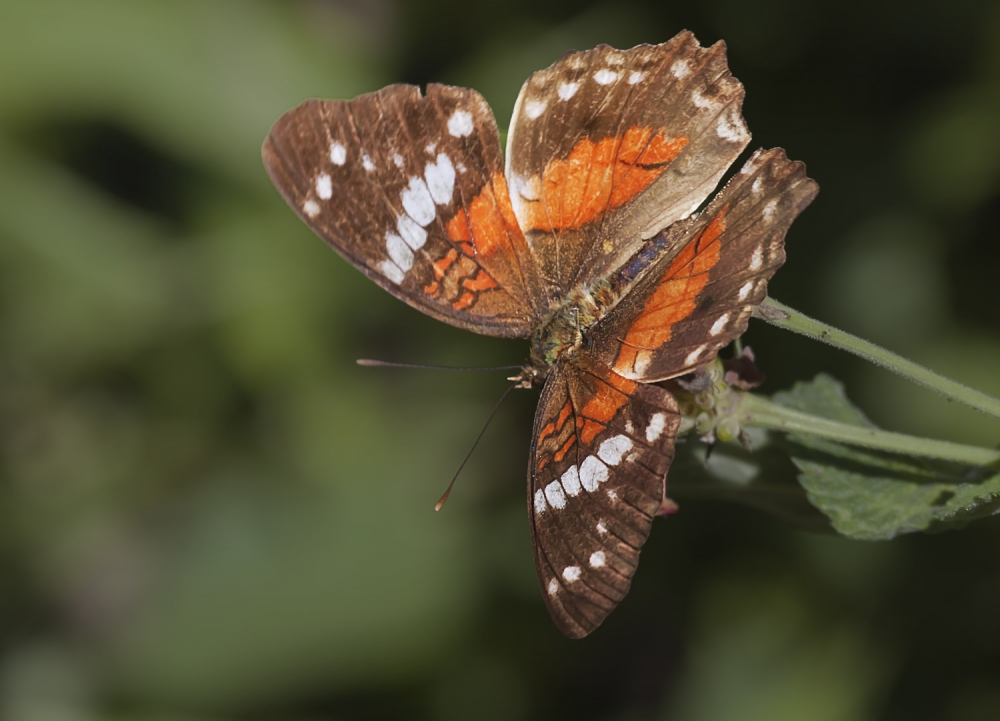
{"x": 565, "y": 328}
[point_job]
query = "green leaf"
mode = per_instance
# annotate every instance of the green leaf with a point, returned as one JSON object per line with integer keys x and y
{"x": 871, "y": 495}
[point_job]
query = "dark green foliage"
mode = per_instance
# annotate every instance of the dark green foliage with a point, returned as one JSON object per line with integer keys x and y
{"x": 872, "y": 496}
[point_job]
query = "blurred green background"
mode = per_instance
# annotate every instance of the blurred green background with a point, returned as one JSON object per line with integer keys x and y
{"x": 209, "y": 513}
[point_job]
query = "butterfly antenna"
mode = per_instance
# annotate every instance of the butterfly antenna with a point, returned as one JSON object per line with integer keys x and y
{"x": 444, "y": 497}
{"x": 371, "y": 363}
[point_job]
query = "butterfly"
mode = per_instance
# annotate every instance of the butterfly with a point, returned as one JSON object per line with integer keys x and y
{"x": 586, "y": 239}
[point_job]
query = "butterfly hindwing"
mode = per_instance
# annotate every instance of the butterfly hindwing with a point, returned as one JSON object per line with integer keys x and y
{"x": 410, "y": 189}
{"x": 601, "y": 448}
{"x": 698, "y": 294}
{"x": 608, "y": 147}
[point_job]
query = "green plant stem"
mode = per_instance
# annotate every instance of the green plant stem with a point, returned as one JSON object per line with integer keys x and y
{"x": 762, "y": 413}
{"x": 782, "y": 316}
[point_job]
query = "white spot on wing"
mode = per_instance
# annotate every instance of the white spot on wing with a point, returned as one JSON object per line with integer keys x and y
{"x": 597, "y": 559}
{"x": 605, "y": 76}
{"x": 656, "y": 425}
{"x": 553, "y": 587}
{"x": 567, "y": 90}
{"x": 338, "y": 153}
{"x": 554, "y": 495}
{"x": 571, "y": 573}
{"x": 642, "y": 360}
{"x": 592, "y": 472}
{"x": 534, "y": 108}
{"x": 745, "y": 290}
{"x": 417, "y": 201}
{"x": 413, "y": 234}
{"x": 680, "y": 69}
{"x": 571, "y": 481}
{"x": 530, "y": 189}
{"x": 440, "y": 177}
{"x": 540, "y": 504}
{"x": 601, "y": 528}
{"x": 397, "y": 159}
{"x": 751, "y": 165}
{"x": 629, "y": 428}
{"x": 694, "y": 355}
{"x": 636, "y": 76}
{"x": 367, "y": 163}
{"x": 431, "y": 147}
{"x": 769, "y": 209}
{"x": 756, "y": 185}
{"x": 391, "y": 271}
{"x": 757, "y": 259}
{"x": 719, "y": 325}
{"x": 731, "y": 130}
{"x": 700, "y": 101}
{"x": 460, "y": 124}
{"x": 324, "y": 186}
{"x": 612, "y": 450}
{"x": 399, "y": 251}
{"x": 310, "y": 208}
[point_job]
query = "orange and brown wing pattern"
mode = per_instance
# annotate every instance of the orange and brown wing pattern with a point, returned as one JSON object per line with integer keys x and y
{"x": 608, "y": 147}
{"x": 699, "y": 293}
{"x": 410, "y": 189}
{"x": 601, "y": 449}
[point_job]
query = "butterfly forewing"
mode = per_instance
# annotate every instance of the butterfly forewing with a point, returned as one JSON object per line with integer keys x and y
{"x": 698, "y": 294}
{"x": 608, "y": 147}
{"x": 410, "y": 189}
{"x": 602, "y": 446}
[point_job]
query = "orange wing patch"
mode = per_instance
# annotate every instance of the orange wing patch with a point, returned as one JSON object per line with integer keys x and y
{"x": 458, "y": 279}
{"x": 481, "y": 282}
{"x": 488, "y": 221}
{"x": 486, "y": 231}
{"x": 556, "y": 427}
{"x": 673, "y": 300}
{"x": 612, "y": 393}
{"x": 561, "y": 453}
{"x": 597, "y": 177}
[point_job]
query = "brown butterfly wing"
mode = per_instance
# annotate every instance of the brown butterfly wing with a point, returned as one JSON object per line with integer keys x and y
{"x": 607, "y": 147}
{"x": 601, "y": 448}
{"x": 697, "y": 295}
{"x": 410, "y": 189}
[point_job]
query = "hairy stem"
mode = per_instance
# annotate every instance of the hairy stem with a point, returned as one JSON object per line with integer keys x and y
{"x": 762, "y": 413}
{"x": 782, "y": 316}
